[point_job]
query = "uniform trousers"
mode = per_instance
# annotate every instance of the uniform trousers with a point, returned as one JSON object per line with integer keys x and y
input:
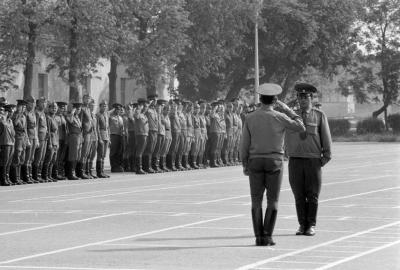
{"x": 116, "y": 151}
{"x": 215, "y": 138}
{"x": 51, "y": 155}
{"x": 6, "y": 155}
{"x": 141, "y": 141}
{"x": 227, "y": 148}
{"x": 87, "y": 142}
{"x": 166, "y": 145}
{"x": 102, "y": 146}
{"x": 19, "y": 151}
{"x": 305, "y": 181}
{"x": 30, "y": 152}
{"x": 159, "y": 146}
{"x": 151, "y": 144}
{"x": 40, "y": 153}
{"x": 74, "y": 146}
{"x": 131, "y": 144}
{"x": 62, "y": 152}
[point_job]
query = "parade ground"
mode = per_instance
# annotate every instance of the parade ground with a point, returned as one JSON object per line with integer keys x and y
{"x": 201, "y": 219}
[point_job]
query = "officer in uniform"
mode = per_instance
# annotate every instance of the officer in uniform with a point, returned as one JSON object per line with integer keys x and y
{"x": 87, "y": 130}
{"x": 197, "y": 141}
{"x": 94, "y": 140}
{"x": 203, "y": 136}
{"x": 183, "y": 137}
{"x": 187, "y": 111}
{"x": 104, "y": 138}
{"x": 52, "y": 144}
{"x": 222, "y": 130}
{"x": 215, "y": 134}
{"x": 42, "y": 137}
{"x": 262, "y": 157}
{"x": 33, "y": 142}
{"x": 166, "y": 124}
{"x": 141, "y": 132}
{"x": 155, "y": 162}
{"x": 59, "y": 167}
{"x": 175, "y": 133}
{"x": 74, "y": 126}
{"x": 7, "y": 140}
{"x": 228, "y": 141}
{"x": 152, "y": 118}
{"x": 130, "y": 126}
{"x": 21, "y": 139}
{"x": 308, "y": 151}
{"x": 117, "y": 132}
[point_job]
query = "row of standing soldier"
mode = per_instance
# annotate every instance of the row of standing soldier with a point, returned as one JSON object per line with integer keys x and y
{"x": 48, "y": 143}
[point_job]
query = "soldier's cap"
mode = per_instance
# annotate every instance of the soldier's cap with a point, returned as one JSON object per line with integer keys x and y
{"x": 196, "y": 105}
{"x": 77, "y": 104}
{"x": 117, "y": 106}
{"x": 21, "y": 102}
{"x": 161, "y": 102}
{"x": 201, "y": 101}
{"x": 234, "y": 99}
{"x": 103, "y": 102}
{"x": 9, "y": 107}
{"x": 41, "y": 100}
{"x": 305, "y": 88}
{"x": 142, "y": 101}
{"x": 317, "y": 104}
{"x": 187, "y": 102}
{"x": 92, "y": 101}
{"x": 269, "y": 89}
{"x": 61, "y": 103}
{"x": 152, "y": 96}
{"x": 30, "y": 100}
{"x": 215, "y": 103}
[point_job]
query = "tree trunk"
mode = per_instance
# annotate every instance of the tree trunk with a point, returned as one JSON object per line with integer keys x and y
{"x": 382, "y": 109}
{"x": 31, "y": 54}
{"x": 112, "y": 76}
{"x": 74, "y": 93}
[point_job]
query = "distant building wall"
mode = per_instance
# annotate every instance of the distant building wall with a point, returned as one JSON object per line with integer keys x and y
{"x": 51, "y": 86}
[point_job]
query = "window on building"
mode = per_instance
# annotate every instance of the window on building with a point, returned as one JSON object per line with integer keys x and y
{"x": 43, "y": 84}
{"x": 123, "y": 89}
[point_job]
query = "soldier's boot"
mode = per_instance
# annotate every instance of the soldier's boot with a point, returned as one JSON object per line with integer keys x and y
{"x": 269, "y": 225}
{"x": 186, "y": 164}
{"x": 171, "y": 162}
{"x": 8, "y": 168}
{"x": 256, "y": 216}
{"x": 156, "y": 165}
{"x": 102, "y": 169}
{"x": 55, "y": 173}
{"x": 90, "y": 168}
{"x": 39, "y": 173}
{"x": 25, "y": 174}
{"x": 147, "y": 162}
{"x": 50, "y": 173}
{"x": 3, "y": 181}
{"x": 44, "y": 173}
{"x": 35, "y": 174}
{"x": 163, "y": 163}
{"x": 178, "y": 163}
{"x": 98, "y": 169}
{"x": 19, "y": 175}
{"x": 71, "y": 166}
{"x": 194, "y": 161}
{"x": 86, "y": 170}
{"x": 139, "y": 169}
{"x": 13, "y": 175}
{"x": 80, "y": 171}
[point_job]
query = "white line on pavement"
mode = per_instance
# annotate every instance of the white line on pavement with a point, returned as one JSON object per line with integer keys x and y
{"x": 359, "y": 194}
{"x": 62, "y": 268}
{"x": 330, "y": 265}
{"x": 66, "y": 223}
{"x": 272, "y": 259}
{"x": 115, "y": 239}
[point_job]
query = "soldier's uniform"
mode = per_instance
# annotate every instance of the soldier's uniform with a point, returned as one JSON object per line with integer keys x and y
{"x": 155, "y": 162}
{"x": 166, "y": 124}
{"x": 141, "y": 133}
{"x": 42, "y": 138}
{"x": 228, "y": 141}
{"x": 87, "y": 129}
{"x": 203, "y": 139}
{"x": 238, "y": 136}
{"x": 74, "y": 141}
{"x": 104, "y": 140}
{"x": 21, "y": 139}
{"x": 31, "y": 125}
{"x": 117, "y": 132}
{"x": 59, "y": 166}
{"x": 131, "y": 139}
{"x": 223, "y": 136}
{"x": 215, "y": 135}
{"x": 197, "y": 141}
{"x": 7, "y": 140}
{"x": 176, "y": 136}
{"x": 189, "y": 136}
{"x": 308, "y": 151}
{"x": 152, "y": 118}
{"x": 94, "y": 138}
{"x": 52, "y": 144}
{"x": 183, "y": 140}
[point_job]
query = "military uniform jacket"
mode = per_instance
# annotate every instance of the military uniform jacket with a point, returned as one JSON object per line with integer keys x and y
{"x": 19, "y": 121}
{"x": 152, "y": 118}
{"x": 74, "y": 124}
{"x": 166, "y": 122}
{"x": 7, "y": 133}
{"x": 95, "y": 134}
{"x": 316, "y": 142}
{"x": 175, "y": 123}
{"x": 130, "y": 125}
{"x": 182, "y": 122}
{"x": 216, "y": 122}
{"x": 86, "y": 120}
{"x": 196, "y": 124}
{"x": 62, "y": 127}
{"x": 203, "y": 124}
{"x": 53, "y": 130}
{"x": 161, "y": 125}
{"x": 189, "y": 125}
{"x": 103, "y": 126}
{"x": 41, "y": 125}
{"x": 141, "y": 124}
{"x": 116, "y": 124}
{"x": 31, "y": 125}
{"x": 229, "y": 123}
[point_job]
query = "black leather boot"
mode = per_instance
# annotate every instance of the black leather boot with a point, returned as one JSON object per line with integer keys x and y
{"x": 139, "y": 169}
{"x": 256, "y": 216}
{"x": 71, "y": 170}
{"x": 269, "y": 225}
{"x": 3, "y": 181}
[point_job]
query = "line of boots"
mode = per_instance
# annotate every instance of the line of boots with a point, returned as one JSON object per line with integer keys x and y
{"x": 263, "y": 230}
{"x": 5, "y": 177}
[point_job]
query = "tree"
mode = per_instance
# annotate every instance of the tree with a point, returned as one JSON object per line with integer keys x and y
{"x": 21, "y": 31}
{"x": 293, "y": 35}
{"x": 81, "y": 33}
{"x": 376, "y": 68}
